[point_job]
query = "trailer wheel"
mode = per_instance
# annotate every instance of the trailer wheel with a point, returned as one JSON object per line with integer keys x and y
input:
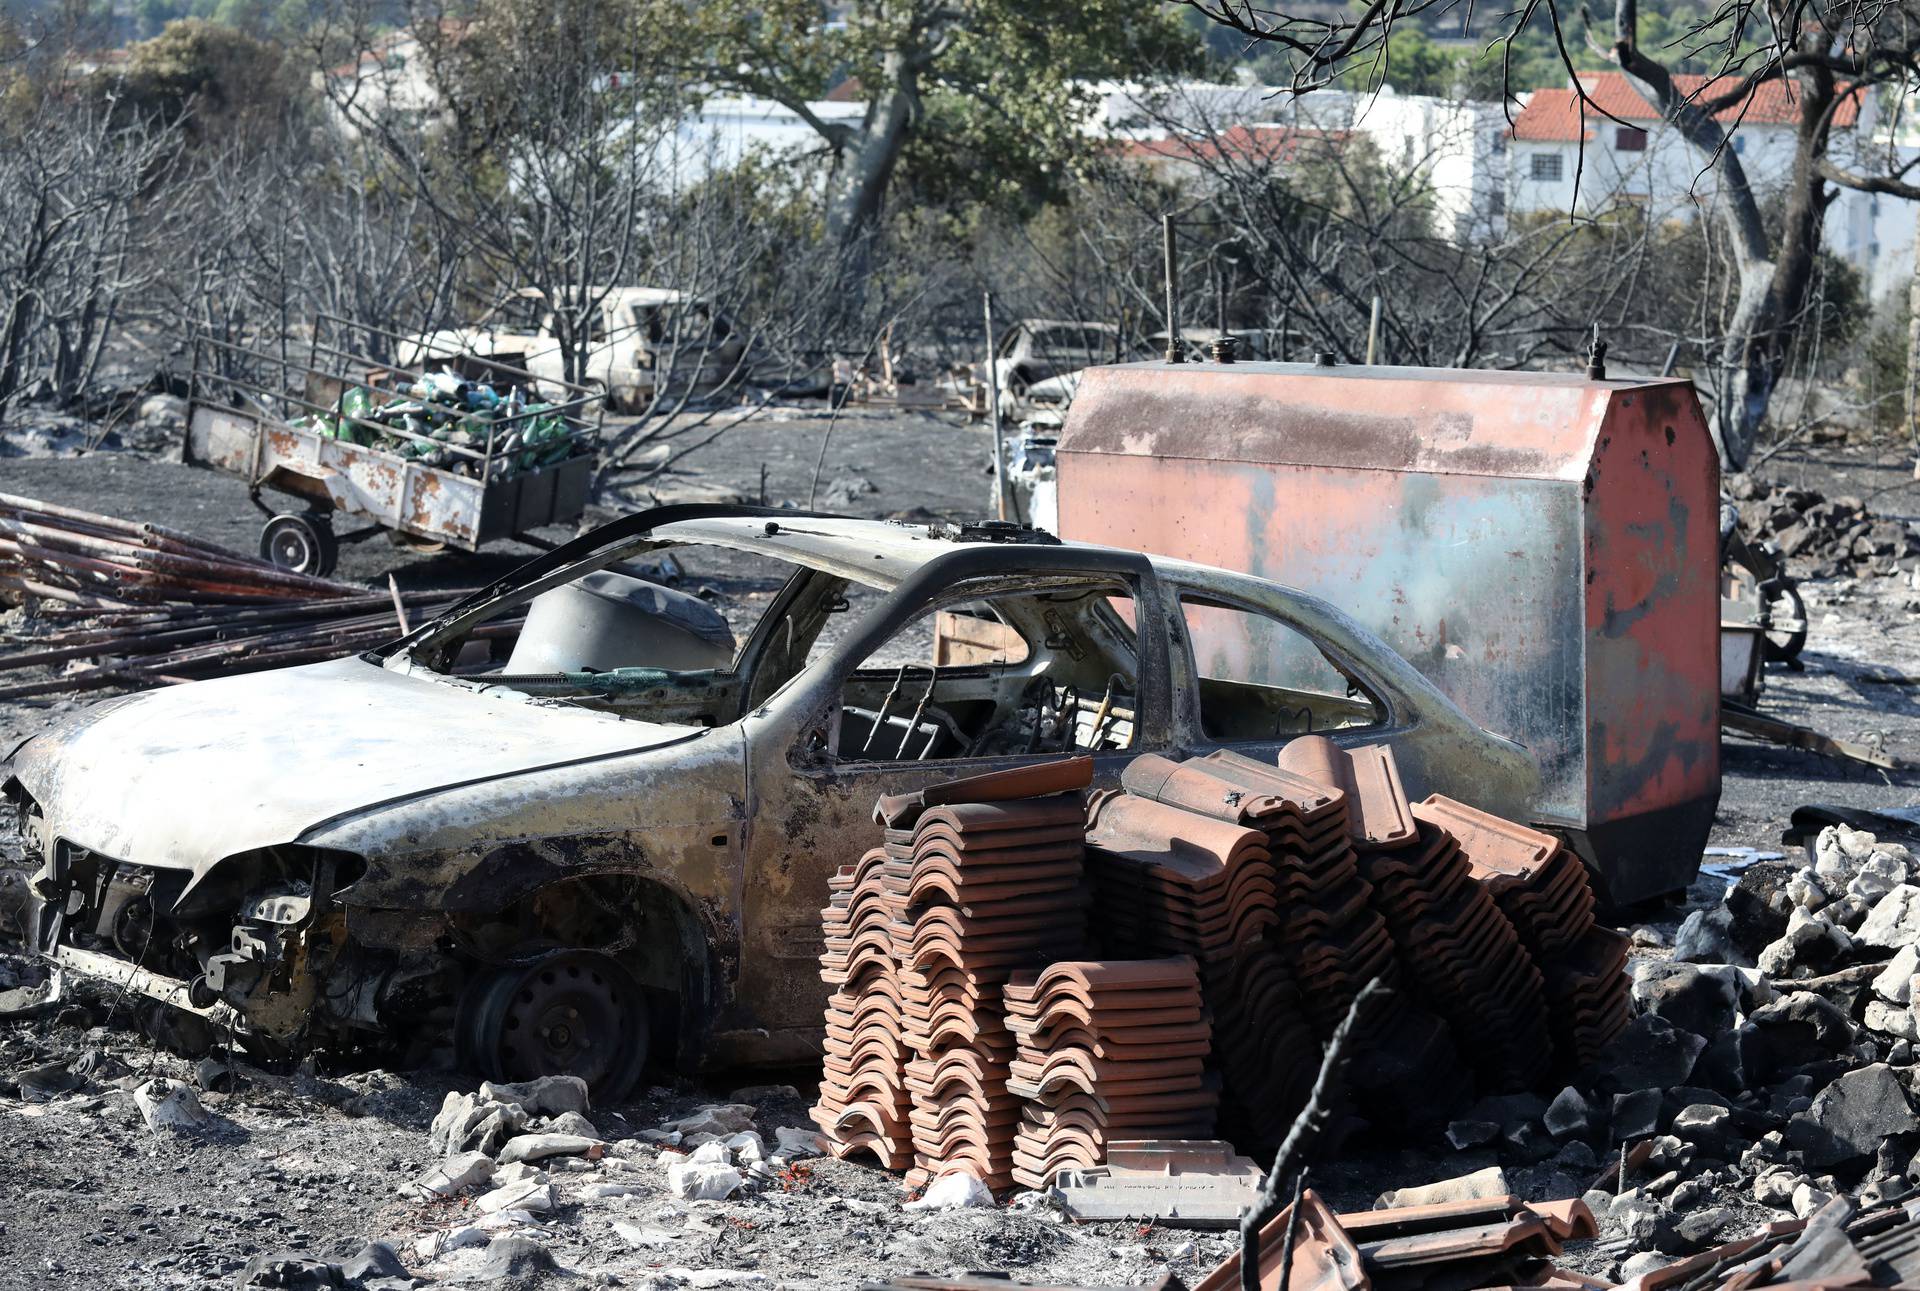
{"x": 302, "y": 543}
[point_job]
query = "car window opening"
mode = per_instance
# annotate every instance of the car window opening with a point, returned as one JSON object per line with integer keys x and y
{"x": 1261, "y": 679}
{"x": 1044, "y": 670}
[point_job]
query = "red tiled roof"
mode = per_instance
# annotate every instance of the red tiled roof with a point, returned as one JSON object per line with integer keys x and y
{"x": 848, "y": 91}
{"x": 1554, "y": 115}
{"x": 1272, "y": 144}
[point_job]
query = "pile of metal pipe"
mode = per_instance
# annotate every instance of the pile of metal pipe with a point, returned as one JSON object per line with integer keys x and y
{"x": 141, "y": 605}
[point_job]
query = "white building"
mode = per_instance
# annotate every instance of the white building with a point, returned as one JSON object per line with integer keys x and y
{"x": 1458, "y": 148}
{"x": 1566, "y": 156}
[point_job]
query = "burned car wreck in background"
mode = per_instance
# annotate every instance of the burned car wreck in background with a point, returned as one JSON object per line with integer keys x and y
{"x": 607, "y": 861}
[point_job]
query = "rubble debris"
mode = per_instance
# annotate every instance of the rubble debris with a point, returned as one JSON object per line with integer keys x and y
{"x": 153, "y": 606}
{"x": 169, "y": 1105}
{"x": 956, "y": 1191}
{"x": 1188, "y": 1183}
{"x": 1830, "y": 537}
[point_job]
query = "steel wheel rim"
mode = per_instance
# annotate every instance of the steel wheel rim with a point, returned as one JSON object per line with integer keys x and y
{"x": 576, "y": 1014}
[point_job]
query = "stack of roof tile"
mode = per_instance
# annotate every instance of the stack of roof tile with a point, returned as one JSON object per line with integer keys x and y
{"x": 1168, "y": 881}
{"x": 1461, "y": 955}
{"x": 1543, "y": 890}
{"x": 1327, "y": 930}
{"x": 863, "y": 1095}
{"x": 1112, "y": 1049}
{"x": 980, "y": 881}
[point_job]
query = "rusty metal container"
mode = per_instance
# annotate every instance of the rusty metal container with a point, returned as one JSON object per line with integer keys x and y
{"x": 1544, "y": 547}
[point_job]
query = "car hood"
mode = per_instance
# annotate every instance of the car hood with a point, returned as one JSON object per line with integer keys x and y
{"x": 182, "y": 777}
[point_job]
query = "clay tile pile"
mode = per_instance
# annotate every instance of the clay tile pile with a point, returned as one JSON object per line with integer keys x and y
{"x": 1543, "y": 890}
{"x": 1464, "y": 958}
{"x": 863, "y": 1095}
{"x": 1106, "y": 1050}
{"x": 979, "y": 878}
{"x": 1168, "y": 881}
{"x": 1487, "y": 1242}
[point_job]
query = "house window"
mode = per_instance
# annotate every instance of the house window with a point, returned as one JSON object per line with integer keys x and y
{"x": 1629, "y": 139}
{"x": 1497, "y": 205}
{"x": 1499, "y": 142}
{"x": 1740, "y": 143}
{"x": 1546, "y": 166}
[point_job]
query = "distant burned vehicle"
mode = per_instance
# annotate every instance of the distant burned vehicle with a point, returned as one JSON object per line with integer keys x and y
{"x": 618, "y": 856}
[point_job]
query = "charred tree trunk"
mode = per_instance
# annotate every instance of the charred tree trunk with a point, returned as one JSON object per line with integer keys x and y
{"x": 1775, "y": 281}
{"x": 864, "y": 166}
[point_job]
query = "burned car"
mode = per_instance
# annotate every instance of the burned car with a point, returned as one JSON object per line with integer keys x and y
{"x": 617, "y": 857}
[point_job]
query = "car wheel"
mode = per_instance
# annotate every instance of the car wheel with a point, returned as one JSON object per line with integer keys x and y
{"x": 300, "y": 544}
{"x": 565, "y": 1013}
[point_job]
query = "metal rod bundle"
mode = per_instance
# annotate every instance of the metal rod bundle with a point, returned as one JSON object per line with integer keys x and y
{"x": 143, "y": 605}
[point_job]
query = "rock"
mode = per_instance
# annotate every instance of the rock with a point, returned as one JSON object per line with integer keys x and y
{"x": 1807, "y": 1199}
{"x": 1894, "y": 920}
{"x": 1749, "y": 904}
{"x": 291, "y": 1272}
{"x": 170, "y": 1105}
{"x": 712, "y": 1152}
{"x": 454, "y": 1175}
{"x": 1648, "y": 938}
{"x": 758, "y": 1094}
{"x": 1490, "y": 1182}
{"x": 1895, "y": 982}
{"x": 1636, "y": 1115}
{"x": 372, "y": 1261}
{"x": 526, "y": 1194}
{"x": 1699, "y": 1227}
{"x": 1811, "y": 942}
{"x": 1881, "y": 874}
{"x": 719, "y": 1119}
{"x": 517, "y": 1172}
{"x": 1774, "y": 1186}
{"x": 1706, "y": 937}
{"x": 612, "y": 1190}
{"x": 956, "y": 1191}
{"x": 1569, "y": 1115}
{"x": 1795, "y": 1030}
{"x": 1640, "y": 1265}
{"x": 1706, "y": 1125}
{"x": 703, "y": 1181}
{"x": 1693, "y": 998}
{"x": 500, "y": 1123}
{"x": 511, "y": 1256}
{"x": 572, "y": 1123}
{"x": 541, "y": 1096}
{"x": 643, "y": 1238}
{"x": 537, "y": 1147}
{"x": 792, "y": 1141}
{"x": 1466, "y": 1134}
{"x": 1650, "y": 1054}
{"x": 1807, "y": 891}
{"x": 1890, "y": 1019}
{"x": 458, "y": 1114}
{"x": 431, "y": 1246}
{"x": 1850, "y": 1117}
{"x": 747, "y": 1147}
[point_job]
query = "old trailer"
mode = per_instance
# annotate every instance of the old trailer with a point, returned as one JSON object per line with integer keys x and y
{"x": 1544, "y": 547}
{"x": 288, "y": 426}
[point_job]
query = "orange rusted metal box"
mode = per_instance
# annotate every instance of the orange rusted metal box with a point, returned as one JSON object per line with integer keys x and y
{"x": 1543, "y": 547}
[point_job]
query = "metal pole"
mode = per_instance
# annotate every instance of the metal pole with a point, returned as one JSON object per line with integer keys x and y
{"x": 1373, "y": 332}
{"x": 1176, "y": 353}
{"x": 993, "y": 416}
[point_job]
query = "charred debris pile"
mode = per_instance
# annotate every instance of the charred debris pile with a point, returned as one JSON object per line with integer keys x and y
{"x": 127, "y": 604}
{"x": 1740, "y": 1114}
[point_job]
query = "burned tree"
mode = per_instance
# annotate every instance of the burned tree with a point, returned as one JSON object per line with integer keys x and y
{"x": 1827, "y": 53}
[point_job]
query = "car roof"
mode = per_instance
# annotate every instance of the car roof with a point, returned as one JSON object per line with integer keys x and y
{"x": 878, "y": 553}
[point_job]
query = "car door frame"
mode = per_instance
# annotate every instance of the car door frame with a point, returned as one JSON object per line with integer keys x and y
{"x": 808, "y": 814}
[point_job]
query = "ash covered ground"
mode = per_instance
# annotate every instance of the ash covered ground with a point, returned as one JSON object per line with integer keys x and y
{"x": 316, "y": 1162}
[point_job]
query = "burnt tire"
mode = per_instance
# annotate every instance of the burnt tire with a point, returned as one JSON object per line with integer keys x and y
{"x": 564, "y": 1013}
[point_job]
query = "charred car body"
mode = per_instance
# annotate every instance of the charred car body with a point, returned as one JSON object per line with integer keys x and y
{"x": 588, "y": 867}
